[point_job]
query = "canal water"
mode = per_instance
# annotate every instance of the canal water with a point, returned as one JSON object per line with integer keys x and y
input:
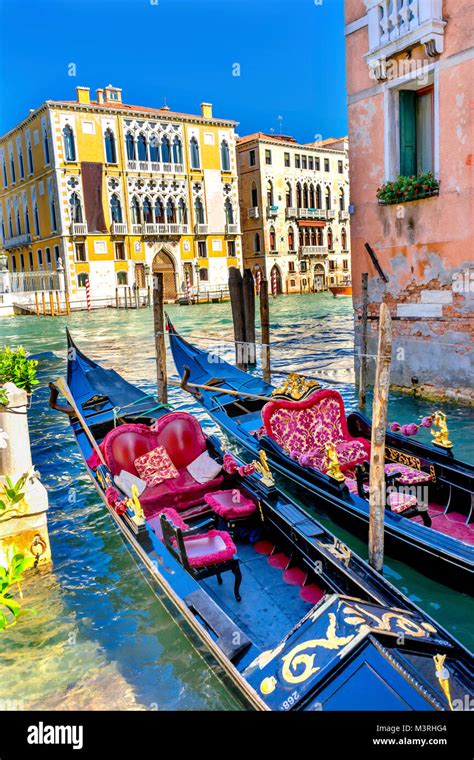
{"x": 99, "y": 638}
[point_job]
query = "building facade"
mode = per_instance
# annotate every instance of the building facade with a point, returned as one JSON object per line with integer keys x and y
{"x": 409, "y": 76}
{"x": 294, "y": 202}
{"x": 107, "y": 192}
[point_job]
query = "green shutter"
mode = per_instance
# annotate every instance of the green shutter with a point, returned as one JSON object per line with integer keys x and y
{"x": 407, "y": 133}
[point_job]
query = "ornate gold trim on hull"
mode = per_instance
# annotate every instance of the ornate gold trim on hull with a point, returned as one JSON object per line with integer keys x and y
{"x": 296, "y": 388}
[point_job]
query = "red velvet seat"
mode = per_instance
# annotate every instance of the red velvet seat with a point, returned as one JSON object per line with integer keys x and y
{"x": 303, "y": 428}
{"x": 181, "y": 435}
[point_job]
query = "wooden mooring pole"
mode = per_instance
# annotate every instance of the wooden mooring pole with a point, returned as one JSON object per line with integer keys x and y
{"x": 248, "y": 289}
{"x": 363, "y": 342}
{"x": 68, "y": 305}
{"x": 160, "y": 346}
{"x": 265, "y": 330}
{"x": 238, "y": 315}
{"x": 377, "y": 495}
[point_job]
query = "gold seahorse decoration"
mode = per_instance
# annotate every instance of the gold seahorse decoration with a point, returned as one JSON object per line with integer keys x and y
{"x": 333, "y": 468}
{"x": 441, "y": 436}
{"x": 263, "y": 469}
{"x": 136, "y": 507}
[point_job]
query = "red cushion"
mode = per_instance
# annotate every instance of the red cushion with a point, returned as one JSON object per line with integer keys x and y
{"x": 155, "y": 466}
{"x": 181, "y": 435}
{"x": 228, "y": 505}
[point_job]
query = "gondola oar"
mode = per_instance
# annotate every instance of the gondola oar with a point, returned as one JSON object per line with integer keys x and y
{"x": 186, "y": 386}
{"x": 65, "y": 390}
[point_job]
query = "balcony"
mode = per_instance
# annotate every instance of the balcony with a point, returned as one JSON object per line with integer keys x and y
{"x": 137, "y": 229}
{"x": 394, "y": 27}
{"x": 232, "y": 229}
{"x": 291, "y": 212}
{"x": 78, "y": 228}
{"x": 156, "y": 228}
{"x": 311, "y": 213}
{"x": 154, "y": 166}
{"x": 253, "y": 212}
{"x": 313, "y": 250}
{"x": 272, "y": 212}
{"x": 201, "y": 229}
{"x": 17, "y": 241}
{"x": 343, "y": 216}
{"x": 117, "y": 228}
{"x": 331, "y": 213}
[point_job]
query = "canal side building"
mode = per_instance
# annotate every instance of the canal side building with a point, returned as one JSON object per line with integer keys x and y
{"x": 102, "y": 191}
{"x": 294, "y": 201}
{"x": 410, "y": 69}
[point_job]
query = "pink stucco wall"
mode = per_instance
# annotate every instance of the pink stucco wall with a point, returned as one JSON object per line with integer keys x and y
{"x": 421, "y": 245}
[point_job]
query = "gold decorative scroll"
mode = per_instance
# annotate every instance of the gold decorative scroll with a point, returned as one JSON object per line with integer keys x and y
{"x": 296, "y": 387}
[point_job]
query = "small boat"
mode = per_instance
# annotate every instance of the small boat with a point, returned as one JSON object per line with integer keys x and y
{"x": 290, "y": 617}
{"x": 429, "y": 510}
{"x": 344, "y": 289}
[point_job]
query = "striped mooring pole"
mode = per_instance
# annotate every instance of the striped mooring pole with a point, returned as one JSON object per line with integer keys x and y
{"x": 188, "y": 286}
{"x": 259, "y": 280}
{"x": 88, "y": 295}
{"x": 274, "y": 283}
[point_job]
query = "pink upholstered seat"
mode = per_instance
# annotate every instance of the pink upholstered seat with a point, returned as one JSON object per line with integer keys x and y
{"x": 181, "y": 435}
{"x": 303, "y": 428}
{"x": 408, "y": 475}
{"x": 230, "y": 504}
{"x": 210, "y": 548}
{"x": 398, "y": 502}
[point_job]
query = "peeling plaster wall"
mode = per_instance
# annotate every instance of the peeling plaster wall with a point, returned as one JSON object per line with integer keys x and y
{"x": 425, "y": 247}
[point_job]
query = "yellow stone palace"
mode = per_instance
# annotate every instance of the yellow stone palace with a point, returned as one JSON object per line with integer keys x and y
{"x": 107, "y": 192}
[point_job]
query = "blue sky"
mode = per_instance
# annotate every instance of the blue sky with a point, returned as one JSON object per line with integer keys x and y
{"x": 290, "y": 52}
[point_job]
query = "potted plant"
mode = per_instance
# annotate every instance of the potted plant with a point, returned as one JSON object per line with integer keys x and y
{"x": 405, "y": 189}
{"x": 16, "y": 368}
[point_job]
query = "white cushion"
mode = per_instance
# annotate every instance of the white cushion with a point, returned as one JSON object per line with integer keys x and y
{"x": 126, "y": 480}
{"x": 204, "y": 468}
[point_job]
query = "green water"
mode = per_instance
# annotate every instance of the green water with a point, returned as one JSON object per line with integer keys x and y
{"x": 99, "y": 638}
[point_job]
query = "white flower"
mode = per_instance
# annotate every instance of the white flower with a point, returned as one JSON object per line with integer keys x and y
{"x": 3, "y": 439}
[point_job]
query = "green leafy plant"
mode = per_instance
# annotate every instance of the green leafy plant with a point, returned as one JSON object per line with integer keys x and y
{"x": 408, "y": 188}
{"x": 12, "y": 494}
{"x": 15, "y": 367}
{"x": 12, "y": 566}
{"x": 3, "y": 396}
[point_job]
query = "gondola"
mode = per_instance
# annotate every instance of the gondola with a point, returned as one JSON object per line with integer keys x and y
{"x": 429, "y": 515}
{"x": 291, "y": 618}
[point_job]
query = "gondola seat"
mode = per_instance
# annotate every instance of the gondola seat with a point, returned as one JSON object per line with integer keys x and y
{"x": 203, "y": 554}
{"x": 232, "y": 507}
{"x": 303, "y": 428}
{"x": 407, "y": 476}
{"x": 182, "y": 437}
{"x": 397, "y": 502}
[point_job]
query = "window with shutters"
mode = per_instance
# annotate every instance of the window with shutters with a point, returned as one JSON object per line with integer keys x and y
{"x": 416, "y": 131}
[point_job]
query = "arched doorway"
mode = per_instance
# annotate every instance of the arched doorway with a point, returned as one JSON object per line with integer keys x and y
{"x": 275, "y": 275}
{"x": 164, "y": 263}
{"x": 319, "y": 281}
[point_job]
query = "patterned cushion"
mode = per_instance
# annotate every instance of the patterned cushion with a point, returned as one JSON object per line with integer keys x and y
{"x": 408, "y": 475}
{"x": 155, "y": 466}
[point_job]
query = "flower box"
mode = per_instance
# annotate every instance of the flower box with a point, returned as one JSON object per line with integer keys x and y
{"x": 406, "y": 189}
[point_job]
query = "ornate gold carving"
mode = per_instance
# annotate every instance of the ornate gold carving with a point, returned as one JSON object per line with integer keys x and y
{"x": 298, "y": 656}
{"x": 339, "y": 550}
{"x": 296, "y": 387}
{"x": 442, "y": 674}
{"x": 401, "y": 458}
{"x": 441, "y": 436}
{"x": 264, "y": 470}
{"x": 333, "y": 468}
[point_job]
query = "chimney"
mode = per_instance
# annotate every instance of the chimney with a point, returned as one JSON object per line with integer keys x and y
{"x": 164, "y": 108}
{"x": 83, "y": 95}
{"x": 100, "y": 95}
{"x": 206, "y": 110}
